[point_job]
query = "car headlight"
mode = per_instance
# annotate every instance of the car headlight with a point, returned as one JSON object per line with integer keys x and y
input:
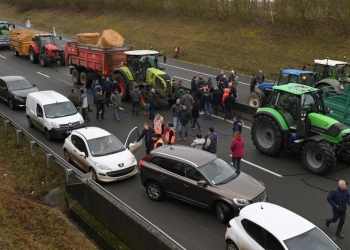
{"x": 241, "y": 201}
{"x": 102, "y": 167}
{"x": 132, "y": 158}
{"x": 19, "y": 98}
{"x": 55, "y": 125}
{"x": 81, "y": 120}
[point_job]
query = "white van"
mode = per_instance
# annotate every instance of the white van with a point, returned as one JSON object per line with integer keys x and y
{"x": 52, "y": 113}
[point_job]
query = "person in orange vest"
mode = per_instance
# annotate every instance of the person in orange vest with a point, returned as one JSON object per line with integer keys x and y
{"x": 176, "y": 51}
{"x": 158, "y": 124}
{"x": 157, "y": 141}
{"x": 170, "y": 133}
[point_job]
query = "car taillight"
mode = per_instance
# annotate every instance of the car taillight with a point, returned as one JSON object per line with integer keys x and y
{"x": 144, "y": 158}
{"x": 228, "y": 225}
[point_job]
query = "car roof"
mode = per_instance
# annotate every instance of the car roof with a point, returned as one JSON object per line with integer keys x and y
{"x": 92, "y": 132}
{"x": 281, "y": 222}
{"x": 295, "y": 88}
{"x": 141, "y": 52}
{"x": 329, "y": 62}
{"x": 297, "y": 72}
{"x": 48, "y": 97}
{"x": 12, "y": 78}
{"x": 196, "y": 156}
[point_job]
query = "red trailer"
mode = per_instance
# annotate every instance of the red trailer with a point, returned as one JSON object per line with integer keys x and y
{"x": 88, "y": 62}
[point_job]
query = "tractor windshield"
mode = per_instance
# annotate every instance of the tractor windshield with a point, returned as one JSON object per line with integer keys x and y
{"x": 46, "y": 39}
{"x": 311, "y": 102}
{"x": 341, "y": 71}
{"x": 149, "y": 61}
{"x": 307, "y": 79}
{"x": 4, "y": 25}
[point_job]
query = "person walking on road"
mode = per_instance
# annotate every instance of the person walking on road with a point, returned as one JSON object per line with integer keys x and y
{"x": 170, "y": 133}
{"x": 237, "y": 148}
{"x": 116, "y": 102}
{"x": 84, "y": 105}
{"x": 153, "y": 103}
{"x": 83, "y": 87}
{"x": 147, "y": 133}
{"x": 184, "y": 118}
{"x": 100, "y": 112}
{"x": 207, "y": 100}
{"x": 194, "y": 86}
{"x": 198, "y": 142}
{"x": 260, "y": 77}
{"x": 211, "y": 142}
{"x": 175, "y": 112}
{"x": 136, "y": 98}
{"x": 339, "y": 199}
{"x": 109, "y": 88}
{"x": 158, "y": 124}
{"x": 195, "y": 115}
{"x": 237, "y": 125}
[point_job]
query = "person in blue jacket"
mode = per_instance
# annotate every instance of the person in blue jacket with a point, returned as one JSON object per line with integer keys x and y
{"x": 339, "y": 199}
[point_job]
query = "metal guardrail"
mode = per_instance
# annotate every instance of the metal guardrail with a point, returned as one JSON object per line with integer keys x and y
{"x": 70, "y": 169}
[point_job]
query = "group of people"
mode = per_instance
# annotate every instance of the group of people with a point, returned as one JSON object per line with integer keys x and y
{"x": 256, "y": 80}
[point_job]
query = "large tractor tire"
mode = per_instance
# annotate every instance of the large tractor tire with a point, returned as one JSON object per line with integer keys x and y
{"x": 32, "y": 56}
{"x": 256, "y": 99}
{"x": 124, "y": 88}
{"x": 84, "y": 78}
{"x": 76, "y": 76}
{"x": 44, "y": 61}
{"x": 63, "y": 59}
{"x": 266, "y": 135}
{"x": 318, "y": 157}
{"x": 144, "y": 98}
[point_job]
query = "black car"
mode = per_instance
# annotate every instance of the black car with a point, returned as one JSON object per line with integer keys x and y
{"x": 14, "y": 90}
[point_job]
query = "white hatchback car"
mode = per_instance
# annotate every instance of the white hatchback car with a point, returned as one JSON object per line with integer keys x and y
{"x": 267, "y": 226}
{"x": 96, "y": 150}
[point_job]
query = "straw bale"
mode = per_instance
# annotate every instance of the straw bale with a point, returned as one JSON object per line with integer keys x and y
{"x": 110, "y": 38}
{"x": 88, "y": 38}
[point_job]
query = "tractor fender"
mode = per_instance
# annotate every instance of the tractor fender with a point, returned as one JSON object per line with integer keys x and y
{"x": 316, "y": 138}
{"x": 125, "y": 72}
{"x": 274, "y": 114}
{"x": 35, "y": 48}
{"x": 327, "y": 82}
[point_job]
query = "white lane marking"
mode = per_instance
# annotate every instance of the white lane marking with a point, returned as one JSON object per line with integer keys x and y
{"x": 218, "y": 117}
{"x": 2, "y": 56}
{"x": 66, "y": 40}
{"x": 182, "y": 78}
{"x": 264, "y": 169}
{"x": 64, "y": 82}
{"x": 43, "y": 74}
{"x": 198, "y": 72}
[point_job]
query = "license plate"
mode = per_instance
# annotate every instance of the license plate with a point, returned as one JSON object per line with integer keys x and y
{"x": 69, "y": 131}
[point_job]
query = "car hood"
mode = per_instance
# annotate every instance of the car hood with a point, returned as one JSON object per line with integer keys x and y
{"x": 243, "y": 186}
{"x": 24, "y": 92}
{"x": 116, "y": 161}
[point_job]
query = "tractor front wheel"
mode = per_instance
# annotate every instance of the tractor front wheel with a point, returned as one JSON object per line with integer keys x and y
{"x": 266, "y": 135}
{"x": 43, "y": 60}
{"x": 84, "y": 78}
{"x": 124, "y": 88}
{"x": 32, "y": 56}
{"x": 254, "y": 100}
{"x": 318, "y": 157}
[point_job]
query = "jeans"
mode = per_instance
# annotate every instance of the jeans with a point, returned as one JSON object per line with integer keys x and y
{"x": 151, "y": 112}
{"x": 195, "y": 121}
{"x": 183, "y": 126}
{"x": 236, "y": 163}
{"x": 207, "y": 111}
{"x": 116, "y": 116}
{"x": 176, "y": 123}
{"x": 135, "y": 105}
{"x": 336, "y": 216}
{"x": 100, "y": 108}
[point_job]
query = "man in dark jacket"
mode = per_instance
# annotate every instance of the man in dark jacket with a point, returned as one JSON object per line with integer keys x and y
{"x": 260, "y": 77}
{"x": 136, "y": 98}
{"x": 229, "y": 102}
{"x": 108, "y": 88}
{"x": 211, "y": 141}
{"x": 147, "y": 133}
{"x": 219, "y": 77}
{"x": 194, "y": 87}
{"x": 207, "y": 100}
{"x": 339, "y": 199}
{"x": 153, "y": 103}
{"x": 184, "y": 118}
{"x": 175, "y": 109}
{"x": 195, "y": 114}
{"x": 252, "y": 83}
{"x": 100, "y": 111}
{"x": 74, "y": 98}
{"x": 217, "y": 100}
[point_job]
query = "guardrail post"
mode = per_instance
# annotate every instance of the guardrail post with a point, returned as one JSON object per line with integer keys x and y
{"x": 47, "y": 160}
{"x": 5, "y": 125}
{"x": 31, "y": 147}
{"x": 18, "y": 131}
{"x": 68, "y": 172}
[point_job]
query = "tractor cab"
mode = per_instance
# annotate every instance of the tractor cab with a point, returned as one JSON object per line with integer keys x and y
{"x": 296, "y": 76}
{"x": 331, "y": 69}
{"x": 42, "y": 39}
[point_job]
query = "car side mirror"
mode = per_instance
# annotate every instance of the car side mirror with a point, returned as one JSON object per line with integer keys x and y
{"x": 82, "y": 154}
{"x": 202, "y": 183}
{"x": 39, "y": 115}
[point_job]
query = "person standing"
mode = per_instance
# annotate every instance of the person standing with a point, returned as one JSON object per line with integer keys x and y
{"x": 235, "y": 79}
{"x": 231, "y": 77}
{"x": 237, "y": 125}
{"x": 115, "y": 86}
{"x": 187, "y": 100}
{"x": 96, "y": 89}
{"x": 136, "y": 98}
{"x": 237, "y": 148}
{"x": 184, "y": 118}
{"x": 157, "y": 141}
{"x": 74, "y": 98}
{"x": 109, "y": 88}
{"x": 217, "y": 99}
{"x": 170, "y": 133}
{"x": 158, "y": 124}
{"x": 211, "y": 142}
{"x": 198, "y": 142}
{"x": 195, "y": 115}
{"x": 339, "y": 199}
{"x": 100, "y": 111}
{"x": 229, "y": 102}
{"x": 116, "y": 102}
{"x": 180, "y": 92}
{"x": 83, "y": 87}
{"x": 175, "y": 112}
{"x": 252, "y": 83}
{"x": 147, "y": 133}
{"x": 200, "y": 82}
{"x": 207, "y": 100}
{"x": 260, "y": 77}
{"x": 153, "y": 103}
{"x": 194, "y": 86}
{"x": 176, "y": 51}
{"x": 84, "y": 105}
{"x": 219, "y": 78}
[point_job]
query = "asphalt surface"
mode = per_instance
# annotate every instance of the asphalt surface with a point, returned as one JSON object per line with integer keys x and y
{"x": 288, "y": 183}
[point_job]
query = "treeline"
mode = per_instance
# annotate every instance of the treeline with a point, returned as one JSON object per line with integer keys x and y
{"x": 333, "y": 15}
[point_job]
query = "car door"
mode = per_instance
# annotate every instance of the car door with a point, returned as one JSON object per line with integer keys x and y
{"x": 131, "y": 144}
{"x": 82, "y": 161}
{"x": 38, "y": 117}
{"x": 252, "y": 237}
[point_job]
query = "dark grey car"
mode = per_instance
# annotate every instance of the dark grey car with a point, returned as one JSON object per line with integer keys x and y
{"x": 199, "y": 178}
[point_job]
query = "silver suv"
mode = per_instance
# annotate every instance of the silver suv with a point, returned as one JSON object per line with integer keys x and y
{"x": 200, "y": 178}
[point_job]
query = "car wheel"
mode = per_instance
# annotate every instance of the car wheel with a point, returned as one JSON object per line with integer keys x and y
{"x": 66, "y": 156}
{"x": 154, "y": 191}
{"x": 47, "y": 134}
{"x": 94, "y": 175}
{"x": 11, "y": 104}
{"x": 30, "y": 123}
{"x": 230, "y": 245}
{"x": 223, "y": 212}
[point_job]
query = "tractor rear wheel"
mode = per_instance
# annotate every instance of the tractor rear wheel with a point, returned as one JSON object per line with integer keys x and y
{"x": 318, "y": 157}
{"x": 32, "y": 56}
{"x": 76, "y": 76}
{"x": 124, "y": 88}
{"x": 43, "y": 60}
{"x": 144, "y": 98}
{"x": 84, "y": 78}
{"x": 63, "y": 59}
{"x": 266, "y": 135}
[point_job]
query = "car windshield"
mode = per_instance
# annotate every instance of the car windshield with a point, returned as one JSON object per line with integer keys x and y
{"x": 60, "y": 109}
{"x": 218, "y": 171}
{"x": 19, "y": 84}
{"x": 311, "y": 240}
{"x": 105, "y": 145}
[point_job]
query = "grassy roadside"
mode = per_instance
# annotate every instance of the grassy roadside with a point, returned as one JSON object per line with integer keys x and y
{"x": 26, "y": 221}
{"x": 243, "y": 47}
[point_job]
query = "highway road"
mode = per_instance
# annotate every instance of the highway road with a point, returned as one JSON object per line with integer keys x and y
{"x": 288, "y": 183}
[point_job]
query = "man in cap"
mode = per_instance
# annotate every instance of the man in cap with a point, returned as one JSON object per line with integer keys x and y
{"x": 175, "y": 112}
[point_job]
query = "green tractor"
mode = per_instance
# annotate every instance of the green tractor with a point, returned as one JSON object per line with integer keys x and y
{"x": 143, "y": 69}
{"x": 294, "y": 120}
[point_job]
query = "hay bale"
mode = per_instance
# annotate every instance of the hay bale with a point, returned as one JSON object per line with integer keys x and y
{"x": 88, "y": 38}
{"x": 110, "y": 38}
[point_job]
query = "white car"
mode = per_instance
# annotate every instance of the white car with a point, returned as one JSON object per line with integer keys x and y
{"x": 267, "y": 226}
{"x": 97, "y": 151}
